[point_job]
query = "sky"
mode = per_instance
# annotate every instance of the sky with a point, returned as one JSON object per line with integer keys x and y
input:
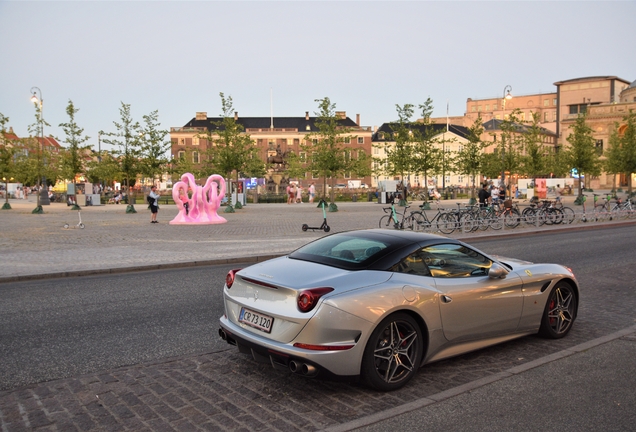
{"x": 280, "y": 57}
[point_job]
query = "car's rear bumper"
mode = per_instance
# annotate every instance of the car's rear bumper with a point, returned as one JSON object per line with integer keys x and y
{"x": 334, "y": 365}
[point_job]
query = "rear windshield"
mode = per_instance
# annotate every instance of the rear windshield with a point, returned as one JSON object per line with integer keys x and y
{"x": 342, "y": 250}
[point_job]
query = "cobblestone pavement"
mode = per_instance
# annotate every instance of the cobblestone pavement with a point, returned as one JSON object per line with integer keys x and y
{"x": 222, "y": 390}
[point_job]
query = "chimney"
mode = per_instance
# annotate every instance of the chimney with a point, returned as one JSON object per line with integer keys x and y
{"x": 358, "y": 119}
{"x": 235, "y": 115}
{"x": 306, "y": 115}
{"x": 341, "y": 115}
{"x": 201, "y": 116}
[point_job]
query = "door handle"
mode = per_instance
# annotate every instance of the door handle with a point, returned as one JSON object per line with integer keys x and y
{"x": 446, "y": 299}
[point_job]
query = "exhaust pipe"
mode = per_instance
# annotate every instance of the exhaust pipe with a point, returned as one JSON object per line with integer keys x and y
{"x": 308, "y": 370}
{"x": 302, "y": 369}
{"x": 223, "y": 334}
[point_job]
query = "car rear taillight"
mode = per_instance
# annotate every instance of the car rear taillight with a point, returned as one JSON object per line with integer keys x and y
{"x": 229, "y": 279}
{"x": 307, "y": 299}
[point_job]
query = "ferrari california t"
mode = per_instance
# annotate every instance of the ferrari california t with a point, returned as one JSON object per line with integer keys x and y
{"x": 376, "y": 305}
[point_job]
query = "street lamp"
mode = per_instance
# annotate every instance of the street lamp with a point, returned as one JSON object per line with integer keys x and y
{"x": 506, "y": 96}
{"x": 43, "y": 193}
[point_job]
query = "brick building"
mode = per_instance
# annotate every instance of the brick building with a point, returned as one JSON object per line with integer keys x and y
{"x": 271, "y": 135}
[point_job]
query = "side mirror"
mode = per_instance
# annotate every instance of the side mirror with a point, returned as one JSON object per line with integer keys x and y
{"x": 497, "y": 271}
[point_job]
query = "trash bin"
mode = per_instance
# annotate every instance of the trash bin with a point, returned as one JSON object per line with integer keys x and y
{"x": 354, "y": 198}
{"x": 454, "y": 193}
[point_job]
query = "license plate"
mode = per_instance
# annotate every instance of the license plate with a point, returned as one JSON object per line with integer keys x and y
{"x": 256, "y": 320}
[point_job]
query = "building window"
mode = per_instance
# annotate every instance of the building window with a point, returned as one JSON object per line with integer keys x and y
{"x": 308, "y": 127}
{"x": 302, "y": 156}
{"x": 578, "y": 109}
{"x": 360, "y": 140}
{"x": 195, "y": 157}
{"x": 545, "y": 116}
{"x": 296, "y": 141}
{"x": 347, "y": 140}
{"x": 473, "y": 108}
{"x": 181, "y": 154}
{"x": 554, "y": 101}
{"x": 195, "y": 141}
{"x": 546, "y": 102}
{"x": 599, "y": 147}
{"x": 479, "y": 108}
{"x": 181, "y": 141}
{"x": 487, "y": 107}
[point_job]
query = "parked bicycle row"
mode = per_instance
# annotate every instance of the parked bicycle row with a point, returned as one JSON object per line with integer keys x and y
{"x": 506, "y": 214}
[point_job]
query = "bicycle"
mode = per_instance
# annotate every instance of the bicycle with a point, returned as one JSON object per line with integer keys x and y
{"x": 392, "y": 218}
{"x": 438, "y": 222}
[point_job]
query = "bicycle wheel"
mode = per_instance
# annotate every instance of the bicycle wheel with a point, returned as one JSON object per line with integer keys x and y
{"x": 569, "y": 215}
{"x": 551, "y": 216}
{"x": 529, "y": 215}
{"x": 467, "y": 222}
{"x": 483, "y": 219}
{"x": 511, "y": 218}
{"x": 386, "y": 222}
{"x": 446, "y": 223}
{"x": 417, "y": 221}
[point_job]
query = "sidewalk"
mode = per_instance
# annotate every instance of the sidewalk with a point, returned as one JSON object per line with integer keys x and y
{"x": 37, "y": 245}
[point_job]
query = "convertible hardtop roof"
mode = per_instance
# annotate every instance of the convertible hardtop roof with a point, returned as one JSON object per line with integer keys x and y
{"x": 397, "y": 237}
{"x": 397, "y": 245}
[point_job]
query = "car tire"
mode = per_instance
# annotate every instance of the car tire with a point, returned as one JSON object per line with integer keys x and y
{"x": 560, "y": 312}
{"x": 393, "y": 353}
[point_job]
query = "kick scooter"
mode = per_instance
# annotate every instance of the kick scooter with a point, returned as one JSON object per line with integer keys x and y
{"x": 324, "y": 225}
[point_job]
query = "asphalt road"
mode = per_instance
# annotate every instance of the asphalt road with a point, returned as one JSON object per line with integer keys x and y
{"x": 66, "y": 327}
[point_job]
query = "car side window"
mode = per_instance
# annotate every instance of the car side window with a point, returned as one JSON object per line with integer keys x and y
{"x": 455, "y": 261}
{"x": 412, "y": 264}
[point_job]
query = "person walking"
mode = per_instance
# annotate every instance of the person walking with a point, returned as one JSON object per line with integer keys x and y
{"x": 312, "y": 192}
{"x": 153, "y": 200}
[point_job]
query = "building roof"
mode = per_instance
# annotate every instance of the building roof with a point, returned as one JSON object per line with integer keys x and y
{"x": 299, "y": 124}
{"x": 591, "y": 78}
{"x": 386, "y": 129}
{"x": 495, "y": 124}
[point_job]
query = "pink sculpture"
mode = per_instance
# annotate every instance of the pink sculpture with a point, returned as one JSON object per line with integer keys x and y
{"x": 201, "y": 207}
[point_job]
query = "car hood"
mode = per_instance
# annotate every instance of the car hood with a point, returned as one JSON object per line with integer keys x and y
{"x": 299, "y": 275}
{"x": 515, "y": 263}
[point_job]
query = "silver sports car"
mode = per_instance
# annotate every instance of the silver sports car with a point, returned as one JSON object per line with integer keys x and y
{"x": 378, "y": 304}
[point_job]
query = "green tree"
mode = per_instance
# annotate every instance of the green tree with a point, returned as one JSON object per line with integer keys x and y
{"x": 470, "y": 159}
{"x": 232, "y": 152}
{"x": 105, "y": 168}
{"x": 556, "y": 162}
{"x": 511, "y": 145}
{"x": 621, "y": 155}
{"x": 71, "y": 159}
{"x": 428, "y": 157}
{"x": 533, "y": 161}
{"x": 399, "y": 157}
{"x": 582, "y": 154}
{"x": 127, "y": 141}
{"x": 154, "y": 146}
{"x": 6, "y": 160}
{"x": 329, "y": 156}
